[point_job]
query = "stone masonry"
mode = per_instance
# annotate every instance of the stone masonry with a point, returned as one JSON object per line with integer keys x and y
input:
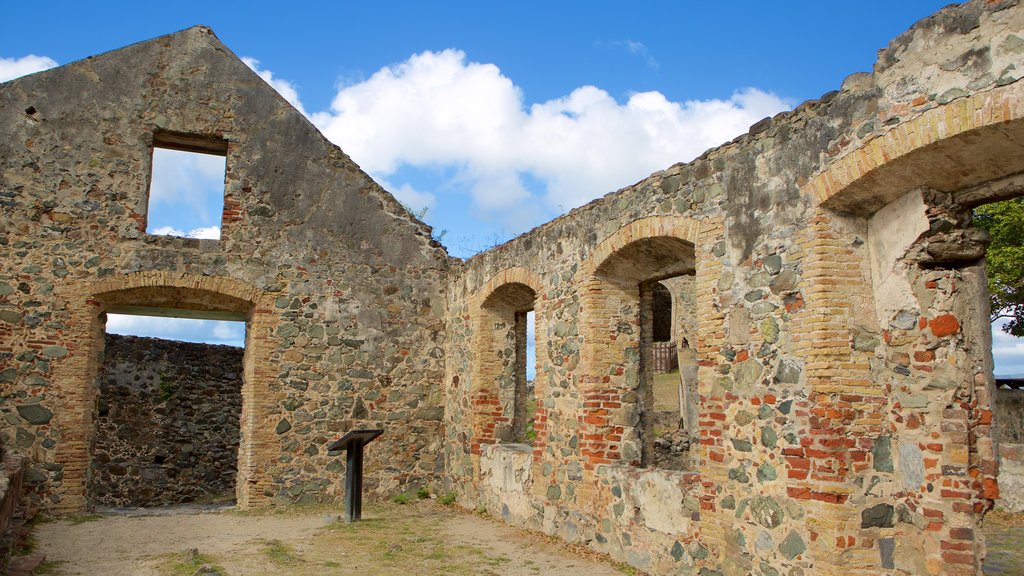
{"x": 341, "y": 288}
{"x": 167, "y": 423}
{"x": 839, "y": 369}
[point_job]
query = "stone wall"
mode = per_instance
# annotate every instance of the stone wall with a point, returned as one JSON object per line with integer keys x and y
{"x": 341, "y": 288}
{"x": 167, "y": 424}
{"x": 844, "y": 379}
{"x": 838, "y": 328}
{"x": 1009, "y": 419}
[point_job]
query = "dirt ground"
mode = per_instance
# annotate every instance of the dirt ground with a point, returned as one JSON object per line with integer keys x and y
{"x": 416, "y": 539}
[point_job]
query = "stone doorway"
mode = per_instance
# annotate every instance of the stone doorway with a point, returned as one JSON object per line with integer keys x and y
{"x": 169, "y": 424}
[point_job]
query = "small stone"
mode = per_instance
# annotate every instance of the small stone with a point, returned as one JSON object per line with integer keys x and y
{"x": 554, "y": 492}
{"x": 769, "y": 330}
{"x": 769, "y": 438}
{"x": 283, "y": 426}
{"x": 951, "y": 94}
{"x": 55, "y": 351}
{"x": 10, "y": 316}
{"x": 747, "y": 374}
{"x": 886, "y": 548}
{"x": 865, "y": 342}
{"x": 788, "y": 372}
{"x": 877, "y": 516}
{"x": 881, "y": 454}
{"x": 904, "y": 320}
{"x": 784, "y": 282}
{"x": 792, "y": 546}
{"x": 772, "y": 263}
{"x": 678, "y": 551}
{"x": 741, "y": 445}
{"x": 743, "y": 417}
{"x": 35, "y": 413}
{"x": 766, "y": 473}
{"x": 766, "y": 511}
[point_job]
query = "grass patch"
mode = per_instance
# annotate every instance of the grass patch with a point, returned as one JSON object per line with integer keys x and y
{"x": 448, "y": 499}
{"x": 626, "y": 569}
{"x": 402, "y": 498}
{"x": 423, "y": 492}
{"x": 280, "y": 553}
{"x": 176, "y": 565}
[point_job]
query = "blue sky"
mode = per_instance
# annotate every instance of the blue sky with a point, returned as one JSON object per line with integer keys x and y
{"x": 498, "y": 116}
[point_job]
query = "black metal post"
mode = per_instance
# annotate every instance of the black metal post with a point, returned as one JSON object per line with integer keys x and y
{"x": 353, "y": 443}
{"x": 354, "y": 482}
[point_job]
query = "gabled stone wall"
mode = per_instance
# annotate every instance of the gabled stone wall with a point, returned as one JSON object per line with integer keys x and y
{"x": 341, "y": 288}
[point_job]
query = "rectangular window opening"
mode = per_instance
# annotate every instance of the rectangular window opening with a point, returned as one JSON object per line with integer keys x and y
{"x": 186, "y": 191}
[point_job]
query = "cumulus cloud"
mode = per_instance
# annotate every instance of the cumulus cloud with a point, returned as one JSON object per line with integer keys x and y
{"x": 285, "y": 88}
{"x": 11, "y": 68}
{"x": 181, "y": 329}
{"x": 438, "y": 109}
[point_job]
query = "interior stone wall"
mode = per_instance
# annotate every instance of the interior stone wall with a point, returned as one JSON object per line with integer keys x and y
{"x": 167, "y": 425}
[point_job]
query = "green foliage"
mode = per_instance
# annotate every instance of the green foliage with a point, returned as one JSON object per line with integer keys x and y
{"x": 529, "y": 434}
{"x": 448, "y": 499}
{"x": 1005, "y": 260}
{"x": 423, "y": 492}
{"x": 166, "y": 388}
{"x": 402, "y": 498}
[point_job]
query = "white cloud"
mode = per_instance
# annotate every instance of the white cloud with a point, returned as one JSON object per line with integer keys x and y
{"x": 1007, "y": 351}
{"x": 181, "y": 329}
{"x": 206, "y": 233}
{"x": 285, "y": 88}
{"x": 186, "y": 193}
{"x": 437, "y": 109}
{"x": 11, "y": 68}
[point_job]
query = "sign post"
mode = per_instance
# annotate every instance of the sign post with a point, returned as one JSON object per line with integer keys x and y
{"x": 352, "y": 443}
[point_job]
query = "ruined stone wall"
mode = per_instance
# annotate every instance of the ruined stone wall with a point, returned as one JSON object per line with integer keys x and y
{"x": 845, "y": 388}
{"x": 341, "y": 288}
{"x": 167, "y": 424}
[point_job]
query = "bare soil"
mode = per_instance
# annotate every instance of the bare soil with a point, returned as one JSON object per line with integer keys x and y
{"x": 419, "y": 538}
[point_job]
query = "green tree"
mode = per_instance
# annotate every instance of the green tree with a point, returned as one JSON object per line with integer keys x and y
{"x": 1005, "y": 260}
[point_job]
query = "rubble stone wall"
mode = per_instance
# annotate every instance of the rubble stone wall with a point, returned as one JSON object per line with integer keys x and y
{"x": 1009, "y": 420}
{"x": 167, "y": 423}
{"x": 845, "y": 388}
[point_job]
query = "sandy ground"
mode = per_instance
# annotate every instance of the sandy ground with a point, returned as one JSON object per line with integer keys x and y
{"x": 419, "y": 538}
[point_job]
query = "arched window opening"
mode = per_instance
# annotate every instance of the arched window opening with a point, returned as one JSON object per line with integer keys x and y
{"x": 507, "y": 360}
{"x": 649, "y": 284}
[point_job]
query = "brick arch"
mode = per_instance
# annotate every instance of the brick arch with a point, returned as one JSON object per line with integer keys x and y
{"x": 652, "y": 227}
{"x": 492, "y": 323}
{"x": 162, "y": 279}
{"x": 950, "y": 147}
{"x": 78, "y": 375}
